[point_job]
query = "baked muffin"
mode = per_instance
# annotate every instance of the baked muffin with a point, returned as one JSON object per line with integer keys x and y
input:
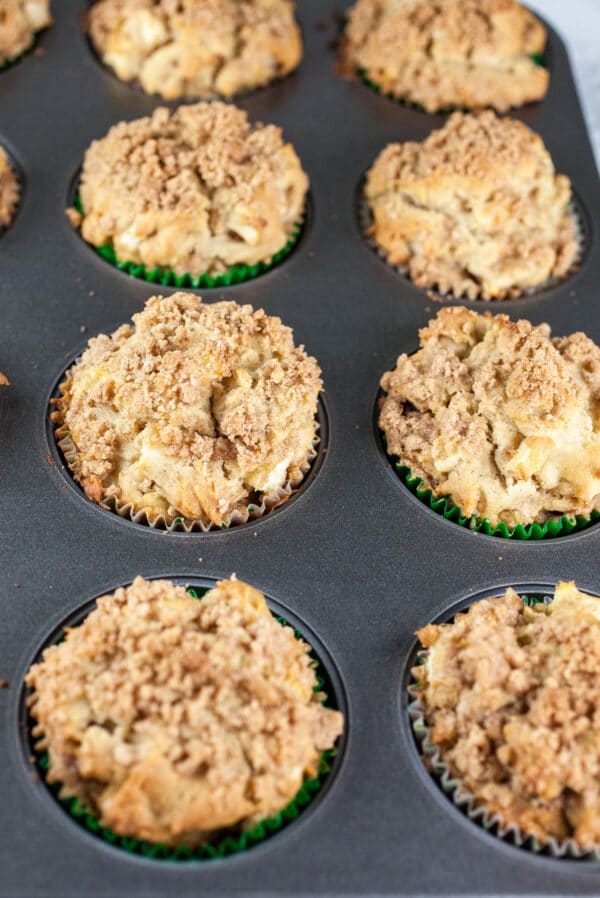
{"x": 9, "y": 191}
{"x": 195, "y": 191}
{"x": 195, "y": 413}
{"x": 197, "y": 48}
{"x": 475, "y": 210}
{"x": 173, "y": 719}
{"x": 512, "y": 696}
{"x": 440, "y": 53}
{"x": 498, "y": 417}
{"x": 4, "y": 381}
{"x": 20, "y": 20}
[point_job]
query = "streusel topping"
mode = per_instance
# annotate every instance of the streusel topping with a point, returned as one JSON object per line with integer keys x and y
{"x": 512, "y": 696}
{"x": 173, "y": 718}
{"x": 197, "y": 190}
{"x": 475, "y": 209}
{"x": 499, "y": 417}
{"x": 194, "y": 411}
{"x": 439, "y": 53}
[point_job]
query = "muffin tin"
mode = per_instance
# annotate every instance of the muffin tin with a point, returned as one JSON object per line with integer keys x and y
{"x": 355, "y": 557}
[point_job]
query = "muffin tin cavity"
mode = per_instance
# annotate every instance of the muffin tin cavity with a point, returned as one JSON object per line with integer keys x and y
{"x": 515, "y": 304}
{"x": 61, "y": 451}
{"x": 227, "y": 843}
{"x": 436, "y": 774}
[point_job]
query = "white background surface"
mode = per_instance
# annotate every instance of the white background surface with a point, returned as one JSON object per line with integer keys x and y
{"x": 578, "y": 23}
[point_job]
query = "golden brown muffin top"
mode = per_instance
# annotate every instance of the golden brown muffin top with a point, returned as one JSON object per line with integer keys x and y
{"x": 172, "y": 718}
{"x": 436, "y": 53}
{"x": 193, "y": 411}
{"x": 196, "y": 190}
{"x": 499, "y": 417}
{"x": 19, "y": 22}
{"x": 476, "y": 208}
{"x": 504, "y": 679}
{"x": 197, "y": 48}
{"x": 469, "y": 146}
{"x": 9, "y": 190}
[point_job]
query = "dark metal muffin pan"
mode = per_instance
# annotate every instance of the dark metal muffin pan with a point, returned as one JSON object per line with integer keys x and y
{"x": 356, "y": 557}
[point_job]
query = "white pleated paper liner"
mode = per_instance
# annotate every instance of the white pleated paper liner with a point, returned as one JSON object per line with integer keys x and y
{"x": 365, "y": 223}
{"x": 466, "y": 802}
{"x": 251, "y": 511}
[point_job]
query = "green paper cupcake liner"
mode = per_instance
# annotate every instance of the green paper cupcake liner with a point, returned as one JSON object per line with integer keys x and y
{"x": 465, "y": 801}
{"x": 167, "y": 278}
{"x": 537, "y": 58}
{"x": 445, "y": 507}
{"x": 228, "y": 844}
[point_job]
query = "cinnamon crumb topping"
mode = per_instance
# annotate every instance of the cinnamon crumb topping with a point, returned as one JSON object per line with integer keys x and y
{"x": 439, "y": 53}
{"x": 475, "y": 209}
{"x": 193, "y": 412}
{"x": 173, "y": 718}
{"x": 197, "y": 48}
{"x": 499, "y": 417}
{"x": 197, "y": 191}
